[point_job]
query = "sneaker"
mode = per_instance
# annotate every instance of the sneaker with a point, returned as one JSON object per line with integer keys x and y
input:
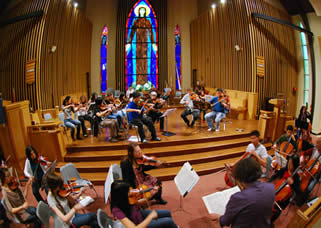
{"x": 145, "y": 141}
{"x": 85, "y": 135}
{"x": 211, "y": 129}
{"x": 217, "y": 129}
{"x": 156, "y": 139}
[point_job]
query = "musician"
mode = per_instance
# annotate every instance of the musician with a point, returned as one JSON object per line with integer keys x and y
{"x": 199, "y": 87}
{"x": 252, "y": 206}
{"x": 305, "y": 147}
{"x": 302, "y": 120}
{"x": 136, "y": 117}
{"x": 16, "y": 202}
{"x": 153, "y": 112}
{"x": 129, "y": 92}
{"x": 134, "y": 173}
{"x": 61, "y": 206}
{"x": 189, "y": 108}
{"x": 130, "y": 216}
{"x": 4, "y": 220}
{"x": 294, "y": 182}
{"x": 83, "y": 114}
{"x": 256, "y": 149}
{"x": 34, "y": 170}
{"x": 99, "y": 119}
{"x": 289, "y": 135}
{"x": 118, "y": 115}
{"x": 68, "y": 108}
{"x": 218, "y": 112}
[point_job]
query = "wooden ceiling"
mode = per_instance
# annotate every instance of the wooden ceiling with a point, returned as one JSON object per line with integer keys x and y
{"x": 297, "y": 6}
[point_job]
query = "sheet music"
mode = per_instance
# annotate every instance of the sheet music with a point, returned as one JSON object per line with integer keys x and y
{"x": 280, "y": 159}
{"x": 186, "y": 179}
{"x": 86, "y": 201}
{"x": 168, "y": 111}
{"x": 108, "y": 182}
{"x": 216, "y": 202}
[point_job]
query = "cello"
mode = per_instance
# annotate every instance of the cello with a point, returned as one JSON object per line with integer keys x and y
{"x": 286, "y": 149}
{"x": 308, "y": 174}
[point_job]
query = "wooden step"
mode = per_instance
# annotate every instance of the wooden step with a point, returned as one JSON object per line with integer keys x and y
{"x": 166, "y": 173}
{"x": 123, "y": 146}
{"x": 158, "y": 151}
{"x": 176, "y": 160}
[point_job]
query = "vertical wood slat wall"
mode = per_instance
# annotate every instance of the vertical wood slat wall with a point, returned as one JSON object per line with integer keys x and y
{"x": 60, "y": 73}
{"x": 19, "y": 43}
{"x": 64, "y": 71}
{"x": 214, "y": 35}
{"x": 124, "y": 7}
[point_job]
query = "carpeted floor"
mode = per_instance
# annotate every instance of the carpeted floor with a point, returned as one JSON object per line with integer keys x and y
{"x": 195, "y": 213}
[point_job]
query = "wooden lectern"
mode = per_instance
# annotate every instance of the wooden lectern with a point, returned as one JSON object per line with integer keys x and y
{"x": 277, "y": 131}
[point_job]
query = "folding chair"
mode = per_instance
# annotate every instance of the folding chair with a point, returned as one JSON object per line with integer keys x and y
{"x": 44, "y": 213}
{"x": 69, "y": 171}
{"x": 117, "y": 174}
{"x": 104, "y": 221}
{"x": 13, "y": 217}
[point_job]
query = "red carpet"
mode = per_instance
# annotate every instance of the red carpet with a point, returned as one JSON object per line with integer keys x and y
{"x": 195, "y": 214}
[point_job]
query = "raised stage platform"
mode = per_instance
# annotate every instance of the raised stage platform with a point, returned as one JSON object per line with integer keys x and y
{"x": 206, "y": 151}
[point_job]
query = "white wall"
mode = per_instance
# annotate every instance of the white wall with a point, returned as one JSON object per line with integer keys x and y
{"x": 100, "y": 13}
{"x": 315, "y": 24}
{"x": 182, "y": 13}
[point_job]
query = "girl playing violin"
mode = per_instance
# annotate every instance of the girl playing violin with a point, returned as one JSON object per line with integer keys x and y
{"x": 68, "y": 108}
{"x": 35, "y": 168}
{"x": 15, "y": 200}
{"x": 134, "y": 173}
{"x": 62, "y": 207}
{"x": 130, "y": 216}
{"x": 294, "y": 182}
{"x": 83, "y": 114}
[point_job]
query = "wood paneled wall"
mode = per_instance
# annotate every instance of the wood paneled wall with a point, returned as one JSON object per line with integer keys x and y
{"x": 160, "y": 8}
{"x": 20, "y": 42}
{"x": 214, "y": 35}
{"x": 64, "y": 71}
{"x": 58, "y": 73}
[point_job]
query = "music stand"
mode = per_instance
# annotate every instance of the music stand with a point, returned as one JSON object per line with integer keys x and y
{"x": 166, "y": 114}
{"x": 50, "y": 170}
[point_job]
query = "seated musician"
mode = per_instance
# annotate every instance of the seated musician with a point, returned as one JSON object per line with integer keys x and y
{"x": 199, "y": 87}
{"x": 289, "y": 135}
{"x": 134, "y": 173}
{"x": 218, "y": 112}
{"x": 83, "y": 114}
{"x": 60, "y": 205}
{"x": 252, "y": 206}
{"x": 129, "y": 92}
{"x": 100, "y": 112}
{"x": 154, "y": 112}
{"x": 189, "y": 108}
{"x": 110, "y": 102}
{"x": 136, "y": 117}
{"x": 15, "y": 200}
{"x": 130, "y": 216}
{"x": 256, "y": 149}
{"x": 294, "y": 182}
{"x": 68, "y": 108}
{"x": 34, "y": 170}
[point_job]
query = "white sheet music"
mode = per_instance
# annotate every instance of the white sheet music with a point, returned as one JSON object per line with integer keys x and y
{"x": 216, "y": 202}
{"x": 186, "y": 179}
{"x": 108, "y": 182}
{"x": 86, "y": 201}
{"x": 280, "y": 159}
{"x": 168, "y": 111}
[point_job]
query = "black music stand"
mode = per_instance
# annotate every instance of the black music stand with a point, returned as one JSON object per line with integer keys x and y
{"x": 165, "y": 115}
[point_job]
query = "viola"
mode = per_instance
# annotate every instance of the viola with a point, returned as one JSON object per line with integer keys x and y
{"x": 13, "y": 182}
{"x": 229, "y": 179}
{"x": 139, "y": 193}
{"x": 309, "y": 173}
{"x": 194, "y": 97}
{"x": 70, "y": 188}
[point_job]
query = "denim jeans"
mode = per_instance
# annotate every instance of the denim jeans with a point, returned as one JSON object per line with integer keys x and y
{"x": 164, "y": 219}
{"x": 217, "y": 116}
{"x": 89, "y": 219}
{"x": 32, "y": 219}
{"x": 118, "y": 115}
{"x": 72, "y": 124}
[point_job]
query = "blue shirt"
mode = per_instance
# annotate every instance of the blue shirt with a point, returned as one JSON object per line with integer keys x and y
{"x": 251, "y": 208}
{"x": 218, "y": 107}
{"x": 133, "y": 115}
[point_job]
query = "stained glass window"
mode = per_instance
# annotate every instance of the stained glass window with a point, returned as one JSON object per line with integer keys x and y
{"x": 178, "y": 58}
{"x": 306, "y": 63}
{"x": 103, "y": 59}
{"x": 141, "y": 50}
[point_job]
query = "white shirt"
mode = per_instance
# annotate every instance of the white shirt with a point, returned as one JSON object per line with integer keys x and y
{"x": 187, "y": 97}
{"x": 260, "y": 150}
{"x": 28, "y": 171}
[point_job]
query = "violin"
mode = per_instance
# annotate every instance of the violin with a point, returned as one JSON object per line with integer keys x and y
{"x": 70, "y": 188}
{"x": 229, "y": 179}
{"x": 42, "y": 160}
{"x": 145, "y": 160}
{"x": 13, "y": 182}
{"x": 134, "y": 195}
{"x": 194, "y": 97}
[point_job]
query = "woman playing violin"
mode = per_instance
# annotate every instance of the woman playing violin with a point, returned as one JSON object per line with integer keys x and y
{"x": 154, "y": 113}
{"x": 130, "y": 216}
{"x": 35, "y": 168}
{"x": 292, "y": 180}
{"x": 68, "y": 108}
{"x": 62, "y": 206}
{"x": 134, "y": 173}
{"x": 15, "y": 200}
